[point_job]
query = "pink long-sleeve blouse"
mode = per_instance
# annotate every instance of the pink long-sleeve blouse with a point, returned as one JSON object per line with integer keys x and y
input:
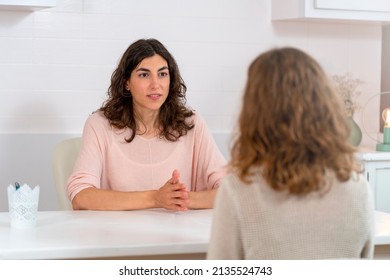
{"x": 107, "y": 161}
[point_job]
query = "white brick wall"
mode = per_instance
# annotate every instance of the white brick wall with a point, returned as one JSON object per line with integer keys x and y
{"x": 55, "y": 64}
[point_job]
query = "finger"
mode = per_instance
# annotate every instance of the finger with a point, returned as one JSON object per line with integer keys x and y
{"x": 178, "y": 187}
{"x": 177, "y": 208}
{"x": 183, "y": 203}
{"x": 177, "y": 204}
{"x": 179, "y": 195}
{"x": 175, "y": 176}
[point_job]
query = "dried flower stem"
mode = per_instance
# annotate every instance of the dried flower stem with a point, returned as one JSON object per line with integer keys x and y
{"x": 346, "y": 86}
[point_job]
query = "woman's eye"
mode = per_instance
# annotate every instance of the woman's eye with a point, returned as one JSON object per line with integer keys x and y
{"x": 143, "y": 75}
{"x": 163, "y": 74}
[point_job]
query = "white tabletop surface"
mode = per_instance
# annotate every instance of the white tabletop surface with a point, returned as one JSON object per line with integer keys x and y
{"x": 105, "y": 234}
{"x": 382, "y": 228}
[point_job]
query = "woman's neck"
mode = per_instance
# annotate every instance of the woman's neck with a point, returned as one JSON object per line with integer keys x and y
{"x": 147, "y": 124}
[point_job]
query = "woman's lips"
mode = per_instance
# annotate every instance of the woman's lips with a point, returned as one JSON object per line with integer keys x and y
{"x": 154, "y": 96}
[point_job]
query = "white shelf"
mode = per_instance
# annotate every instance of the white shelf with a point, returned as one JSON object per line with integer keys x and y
{"x": 26, "y": 5}
{"x": 367, "y": 154}
{"x": 373, "y": 11}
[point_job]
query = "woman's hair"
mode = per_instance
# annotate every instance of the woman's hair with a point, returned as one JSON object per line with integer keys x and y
{"x": 291, "y": 127}
{"x": 118, "y": 108}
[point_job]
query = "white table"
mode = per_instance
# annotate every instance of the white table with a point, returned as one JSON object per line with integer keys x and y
{"x": 382, "y": 235}
{"x": 155, "y": 234}
{"x": 146, "y": 234}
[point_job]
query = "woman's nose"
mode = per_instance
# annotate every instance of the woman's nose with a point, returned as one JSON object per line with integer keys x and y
{"x": 154, "y": 81}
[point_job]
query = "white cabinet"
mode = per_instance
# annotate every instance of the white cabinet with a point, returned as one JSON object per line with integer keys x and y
{"x": 26, "y": 5}
{"x": 376, "y": 166}
{"x": 332, "y": 10}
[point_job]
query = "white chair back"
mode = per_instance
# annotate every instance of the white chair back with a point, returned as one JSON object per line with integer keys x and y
{"x": 63, "y": 160}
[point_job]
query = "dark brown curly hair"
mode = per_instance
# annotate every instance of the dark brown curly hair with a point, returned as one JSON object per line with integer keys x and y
{"x": 291, "y": 128}
{"x": 118, "y": 108}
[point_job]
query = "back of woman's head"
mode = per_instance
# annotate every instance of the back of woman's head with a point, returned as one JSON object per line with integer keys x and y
{"x": 291, "y": 124}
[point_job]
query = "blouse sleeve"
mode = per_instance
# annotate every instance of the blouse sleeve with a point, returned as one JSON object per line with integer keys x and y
{"x": 88, "y": 167}
{"x": 209, "y": 164}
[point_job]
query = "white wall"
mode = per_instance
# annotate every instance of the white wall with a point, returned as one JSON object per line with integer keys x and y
{"x": 55, "y": 66}
{"x": 385, "y": 82}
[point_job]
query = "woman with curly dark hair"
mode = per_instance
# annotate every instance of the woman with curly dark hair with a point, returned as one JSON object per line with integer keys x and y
{"x": 294, "y": 190}
{"x": 144, "y": 148}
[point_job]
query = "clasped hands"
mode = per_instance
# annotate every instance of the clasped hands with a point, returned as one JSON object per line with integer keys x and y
{"x": 173, "y": 195}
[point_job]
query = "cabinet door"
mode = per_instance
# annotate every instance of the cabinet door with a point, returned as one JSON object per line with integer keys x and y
{"x": 355, "y": 5}
{"x": 382, "y": 189}
{"x": 378, "y": 175}
{"x": 26, "y": 5}
{"x": 332, "y": 10}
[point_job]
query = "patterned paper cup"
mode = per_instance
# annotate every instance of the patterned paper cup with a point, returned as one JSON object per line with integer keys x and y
{"x": 23, "y": 206}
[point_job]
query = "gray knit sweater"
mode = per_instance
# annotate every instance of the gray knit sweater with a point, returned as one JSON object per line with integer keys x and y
{"x": 256, "y": 222}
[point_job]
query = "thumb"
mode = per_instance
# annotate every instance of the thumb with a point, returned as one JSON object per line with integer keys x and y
{"x": 175, "y": 176}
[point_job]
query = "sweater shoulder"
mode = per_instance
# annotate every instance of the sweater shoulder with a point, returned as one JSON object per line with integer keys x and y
{"x": 98, "y": 121}
{"x": 199, "y": 123}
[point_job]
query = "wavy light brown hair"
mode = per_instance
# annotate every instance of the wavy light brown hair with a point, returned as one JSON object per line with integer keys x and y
{"x": 118, "y": 108}
{"x": 291, "y": 127}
